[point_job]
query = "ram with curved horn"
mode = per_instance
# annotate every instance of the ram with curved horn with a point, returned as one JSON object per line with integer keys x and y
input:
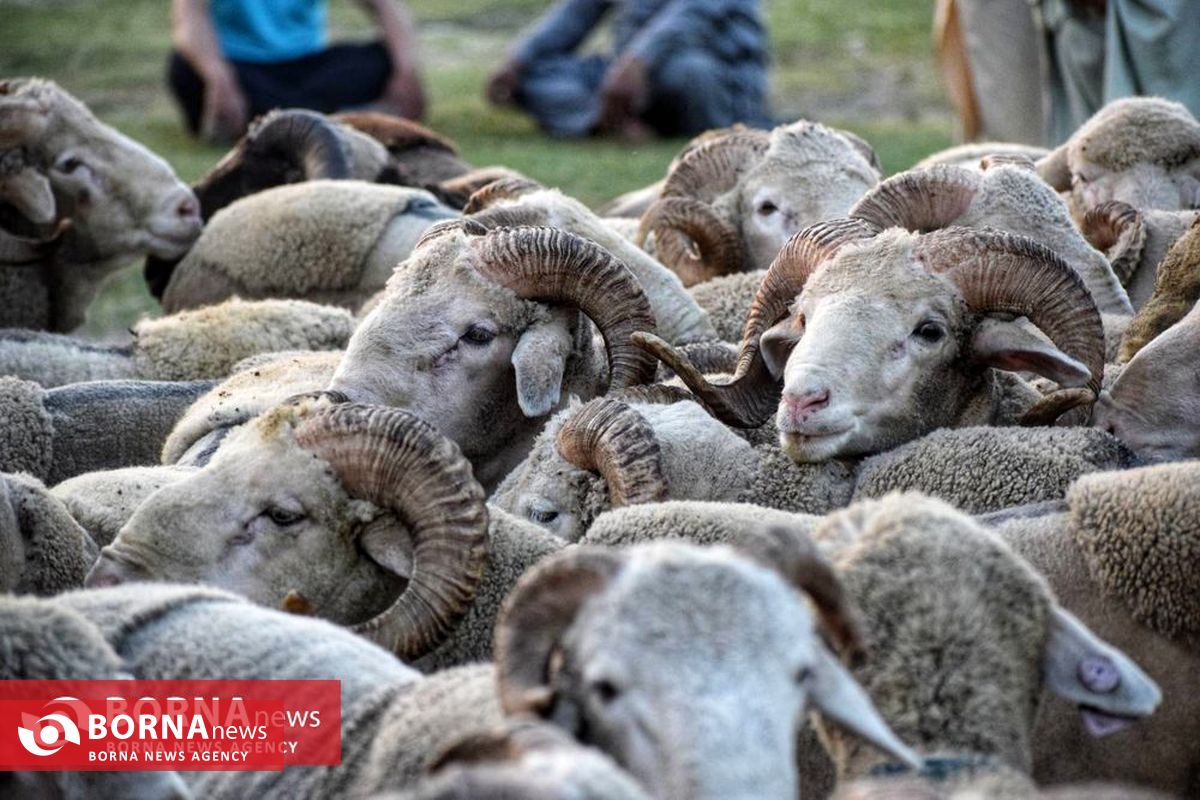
{"x": 1003, "y": 195}
{"x": 486, "y": 332}
{"x": 378, "y": 524}
{"x": 731, "y": 202}
{"x": 876, "y": 340}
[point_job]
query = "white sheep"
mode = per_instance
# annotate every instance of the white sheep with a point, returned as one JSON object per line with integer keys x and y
{"x": 86, "y": 199}
{"x": 190, "y": 345}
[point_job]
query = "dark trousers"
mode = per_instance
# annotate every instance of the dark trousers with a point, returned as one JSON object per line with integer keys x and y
{"x": 339, "y": 77}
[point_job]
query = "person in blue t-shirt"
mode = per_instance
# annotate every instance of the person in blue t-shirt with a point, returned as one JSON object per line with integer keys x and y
{"x": 236, "y": 59}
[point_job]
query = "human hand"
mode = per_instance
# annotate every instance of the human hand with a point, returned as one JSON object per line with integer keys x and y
{"x": 502, "y": 85}
{"x": 224, "y": 116}
{"x": 624, "y": 93}
{"x": 404, "y": 95}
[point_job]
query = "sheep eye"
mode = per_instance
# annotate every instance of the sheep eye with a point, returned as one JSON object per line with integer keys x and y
{"x": 478, "y": 335}
{"x": 767, "y": 208}
{"x": 605, "y": 691}
{"x": 542, "y": 516}
{"x": 803, "y": 674}
{"x": 282, "y": 517}
{"x": 69, "y": 164}
{"x": 929, "y": 332}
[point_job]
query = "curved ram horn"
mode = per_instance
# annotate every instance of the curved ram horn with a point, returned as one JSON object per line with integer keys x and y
{"x": 1002, "y": 272}
{"x": 1118, "y": 230}
{"x": 501, "y": 189}
{"x": 752, "y": 395}
{"x": 708, "y": 247}
{"x": 554, "y": 266}
{"x": 609, "y": 437}
{"x": 401, "y": 463}
{"x": 919, "y": 200}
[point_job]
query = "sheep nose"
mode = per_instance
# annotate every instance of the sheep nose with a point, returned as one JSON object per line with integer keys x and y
{"x": 109, "y": 571}
{"x": 188, "y": 207}
{"x": 802, "y": 406}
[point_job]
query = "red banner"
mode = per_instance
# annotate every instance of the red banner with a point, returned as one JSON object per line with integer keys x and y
{"x": 154, "y": 725}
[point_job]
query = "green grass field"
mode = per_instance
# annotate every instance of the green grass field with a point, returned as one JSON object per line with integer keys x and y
{"x": 864, "y": 65}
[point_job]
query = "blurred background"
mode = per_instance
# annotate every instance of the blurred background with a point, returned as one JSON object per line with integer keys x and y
{"x": 864, "y": 66}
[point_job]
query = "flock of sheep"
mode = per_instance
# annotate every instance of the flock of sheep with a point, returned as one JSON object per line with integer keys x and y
{"x": 599, "y": 503}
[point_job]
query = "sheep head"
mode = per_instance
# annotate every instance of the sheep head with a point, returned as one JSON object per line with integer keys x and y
{"x": 482, "y": 334}
{"x": 878, "y": 339}
{"x": 1154, "y": 403}
{"x": 691, "y": 667}
{"x": 964, "y": 636}
{"x": 1144, "y": 151}
{"x": 362, "y": 515}
{"x": 121, "y": 199}
{"x": 731, "y": 202}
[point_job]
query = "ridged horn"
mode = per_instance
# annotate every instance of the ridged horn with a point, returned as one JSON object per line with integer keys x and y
{"x": 497, "y": 190}
{"x": 554, "y": 266}
{"x": 536, "y": 615}
{"x": 919, "y": 200}
{"x": 401, "y": 463}
{"x": 1002, "y": 272}
{"x": 1118, "y": 230}
{"x": 708, "y": 248}
{"x": 750, "y": 398}
{"x": 609, "y": 437}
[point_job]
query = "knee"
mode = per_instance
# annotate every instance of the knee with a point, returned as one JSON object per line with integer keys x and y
{"x": 687, "y": 73}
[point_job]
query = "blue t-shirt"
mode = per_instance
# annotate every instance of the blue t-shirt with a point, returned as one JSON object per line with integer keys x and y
{"x": 266, "y": 31}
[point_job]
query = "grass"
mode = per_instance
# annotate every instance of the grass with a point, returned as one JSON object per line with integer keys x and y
{"x": 859, "y": 64}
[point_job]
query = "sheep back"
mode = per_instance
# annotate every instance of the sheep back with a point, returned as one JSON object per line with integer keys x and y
{"x": 103, "y": 501}
{"x": 27, "y": 435}
{"x": 727, "y": 300}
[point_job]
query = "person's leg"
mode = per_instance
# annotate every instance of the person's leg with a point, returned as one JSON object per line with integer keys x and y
{"x": 1002, "y": 46}
{"x": 562, "y": 93}
{"x": 691, "y": 92}
{"x": 188, "y": 89}
{"x": 339, "y": 77}
{"x": 1151, "y": 50}
{"x": 1074, "y": 40}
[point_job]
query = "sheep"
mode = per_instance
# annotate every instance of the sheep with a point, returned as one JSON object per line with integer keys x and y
{"x": 972, "y": 154}
{"x": 1153, "y": 402}
{"x": 84, "y": 199}
{"x": 191, "y": 345}
{"x": 365, "y": 516}
{"x": 949, "y": 609}
{"x": 41, "y": 641}
{"x": 726, "y": 299}
{"x": 1140, "y": 150}
{"x": 1121, "y": 555}
{"x": 522, "y": 202}
{"x": 965, "y": 636}
{"x": 613, "y": 452}
{"x": 43, "y": 550}
{"x": 1176, "y": 290}
{"x": 104, "y": 500}
{"x": 649, "y": 605}
{"x": 1003, "y": 195}
{"x": 900, "y": 322}
{"x": 526, "y": 759}
{"x": 59, "y": 433}
{"x": 738, "y": 197}
{"x": 466, "y": 336}
{"x": 328, "y": 241}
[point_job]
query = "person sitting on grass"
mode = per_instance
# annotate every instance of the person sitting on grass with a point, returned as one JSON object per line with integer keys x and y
{"x": 236, "y": 59}
{"x": 678, "y": 67}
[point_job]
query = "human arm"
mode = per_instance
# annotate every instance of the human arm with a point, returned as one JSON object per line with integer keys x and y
{"x": 404, "y": 95}
{"x": 195, "y": 38}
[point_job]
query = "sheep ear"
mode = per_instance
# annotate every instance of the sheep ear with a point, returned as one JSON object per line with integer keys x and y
{"x": 834, "y": 692}
{"x": 1078, "y": 666}
{"x": 28, "y": 192}
{"x": 1055, "y": 170}
{"x": 776, "y": 345}
{"x": 1016, "y": 346}
{"x": 540, "y": 358}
